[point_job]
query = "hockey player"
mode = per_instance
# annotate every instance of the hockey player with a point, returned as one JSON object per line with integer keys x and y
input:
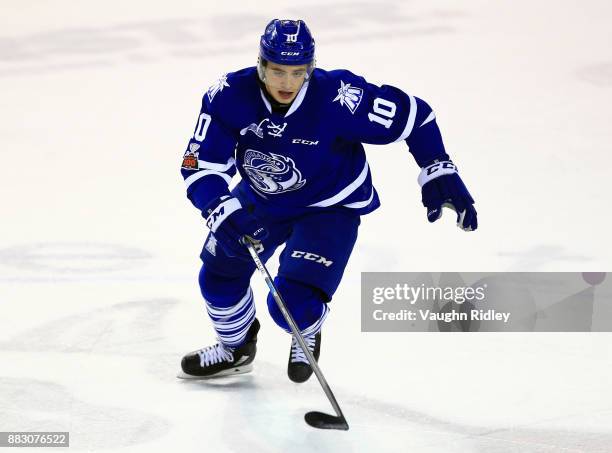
{"x": 294, "y": 133}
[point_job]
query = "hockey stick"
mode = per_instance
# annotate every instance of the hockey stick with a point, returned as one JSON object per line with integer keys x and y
{"x": 314, "y": 419}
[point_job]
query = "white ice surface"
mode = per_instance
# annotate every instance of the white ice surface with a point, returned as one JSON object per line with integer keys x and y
{"x": 99, "y": 247}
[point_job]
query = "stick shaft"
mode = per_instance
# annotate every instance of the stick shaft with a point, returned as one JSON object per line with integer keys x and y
{"x": 294, "y": 328}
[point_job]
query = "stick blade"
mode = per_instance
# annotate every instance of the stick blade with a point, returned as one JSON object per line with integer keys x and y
{"x": 325, "y": 421}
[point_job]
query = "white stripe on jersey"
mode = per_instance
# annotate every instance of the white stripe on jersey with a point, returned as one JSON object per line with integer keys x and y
{"x": 344, "y": 192}
{"x": 298, "y": 99}
{"x": 411, "y": 119}
{"x": 200, "y": 174}
{"x": 431, "y": 117}
{"x": 204, "y": 165}
{"x": 263, "y": 96}
{"x": 361, "y": 204}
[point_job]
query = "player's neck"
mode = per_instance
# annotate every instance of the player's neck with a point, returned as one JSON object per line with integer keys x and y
{"x": 277, "y": 107}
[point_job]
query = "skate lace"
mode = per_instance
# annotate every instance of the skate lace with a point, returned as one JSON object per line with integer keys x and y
{"x": 215, "y": 354}
{"x": 297, "y": 354}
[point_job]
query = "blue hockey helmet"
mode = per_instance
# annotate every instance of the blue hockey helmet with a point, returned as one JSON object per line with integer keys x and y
{"x": 287, "y": 42}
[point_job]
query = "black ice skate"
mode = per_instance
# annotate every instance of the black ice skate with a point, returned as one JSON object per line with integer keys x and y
{"x": 298, "y": 368}
{"x": 220, "y": 360}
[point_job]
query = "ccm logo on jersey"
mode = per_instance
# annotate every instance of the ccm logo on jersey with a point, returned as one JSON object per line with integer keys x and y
{"x": 311, "y": 257}
{"x": 304, "y": 142}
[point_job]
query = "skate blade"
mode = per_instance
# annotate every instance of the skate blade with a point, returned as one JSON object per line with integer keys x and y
{"x": 240, "y": 369}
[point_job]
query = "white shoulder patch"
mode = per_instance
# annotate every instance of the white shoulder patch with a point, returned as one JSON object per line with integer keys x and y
{"x": 349, "y": 96}
{"x": 217, "y": 86}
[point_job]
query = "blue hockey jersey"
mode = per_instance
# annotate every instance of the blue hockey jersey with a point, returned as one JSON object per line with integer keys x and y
{"x": 311, "y": 156}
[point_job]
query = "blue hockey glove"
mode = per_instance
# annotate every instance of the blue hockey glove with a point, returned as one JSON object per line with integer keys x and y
{"x": 229, "y": 222}
{"x": 442, "y": 187}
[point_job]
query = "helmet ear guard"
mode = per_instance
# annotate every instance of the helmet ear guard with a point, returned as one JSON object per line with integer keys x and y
{"x": 261, "y": 68}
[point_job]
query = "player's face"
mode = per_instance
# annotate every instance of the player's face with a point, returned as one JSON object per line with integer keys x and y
{"x": 283, "y": 82}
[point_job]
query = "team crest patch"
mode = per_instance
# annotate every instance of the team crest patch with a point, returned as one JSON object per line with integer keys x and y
{"x": 349, "y": 96}
{"x": 217, "y": 86}
{"x": 257, "y": 129}
{"x": 190, "y": 159}
{"x": 275, "y": 130}
{"x": 272, "y": 173}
